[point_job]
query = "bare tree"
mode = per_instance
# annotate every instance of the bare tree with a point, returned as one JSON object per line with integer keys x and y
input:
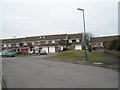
{"x": 88, "y": 36}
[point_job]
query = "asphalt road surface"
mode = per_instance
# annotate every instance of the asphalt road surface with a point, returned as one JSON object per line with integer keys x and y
{"x": 37, "y": 72}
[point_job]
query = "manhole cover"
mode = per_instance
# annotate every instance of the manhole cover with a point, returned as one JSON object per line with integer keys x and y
{"x": 97, "y": 63}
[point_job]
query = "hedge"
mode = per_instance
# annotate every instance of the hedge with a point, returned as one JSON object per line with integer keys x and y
{"x": 112, "y": 44}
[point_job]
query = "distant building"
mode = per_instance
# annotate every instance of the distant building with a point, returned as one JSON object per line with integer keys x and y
{"x": 97, "y": 42}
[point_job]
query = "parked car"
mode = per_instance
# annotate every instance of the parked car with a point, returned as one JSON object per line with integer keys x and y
{"x": 14, "y": 51}
{"x": 8, "y": 54}
{"x": 43, "y": 52}
{"x": 0, "y": 53}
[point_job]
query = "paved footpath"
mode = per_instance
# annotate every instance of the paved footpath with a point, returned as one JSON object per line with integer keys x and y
{"x": 37, "y": 72}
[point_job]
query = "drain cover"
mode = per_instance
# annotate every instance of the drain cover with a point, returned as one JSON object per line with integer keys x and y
{"x": 97, "y": 63}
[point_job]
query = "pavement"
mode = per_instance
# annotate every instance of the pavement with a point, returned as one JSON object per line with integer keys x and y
{"x": 38, "y": 72}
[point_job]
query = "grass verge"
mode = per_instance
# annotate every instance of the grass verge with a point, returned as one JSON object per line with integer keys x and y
{"x": 79, "y": 55}
{"x": 32, "y": 54}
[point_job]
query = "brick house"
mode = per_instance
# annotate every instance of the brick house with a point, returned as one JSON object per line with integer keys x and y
{"x": 50, "y": 43}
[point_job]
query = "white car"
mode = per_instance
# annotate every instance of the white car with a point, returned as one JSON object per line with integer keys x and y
{"x": 43, "y": 52}
{"x": 1, "y": 53}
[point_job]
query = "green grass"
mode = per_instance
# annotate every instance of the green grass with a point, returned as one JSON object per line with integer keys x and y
{"x": 79, "y": 55}
{"x": 32, "y": 54}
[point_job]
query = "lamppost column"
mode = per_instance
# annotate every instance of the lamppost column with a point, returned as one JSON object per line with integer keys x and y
{"x": 86, "y": 55}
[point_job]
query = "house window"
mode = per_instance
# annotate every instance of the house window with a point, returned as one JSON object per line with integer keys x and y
{"x": 73, "y": 41}
{"x": 70, "y": 41}
{"x": 101, "y": 44}
{"x": 25, "y": 43}
{"x": 42, "y": 37}
{"x": 36, "y": 43}
{"x": 77, "y": 40}
{"x": 17, "y": 44}
{"x": 33, "y": 43}
{"x": 9, "y": 45}
{"x": 42, "y": 42}
{"x": 50, "y": 42}
{"x": 53, "y": 41}
{"x": 5, "y": 45}
{"x": 46, "y": 42}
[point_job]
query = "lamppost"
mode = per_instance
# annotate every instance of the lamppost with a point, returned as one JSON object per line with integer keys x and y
{"x": 86, "y": 56}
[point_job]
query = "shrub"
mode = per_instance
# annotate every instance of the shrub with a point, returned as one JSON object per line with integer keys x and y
{"x": 89, "y": 48}
{"x": 106, "y": 44}
{"x": 118, "y": 45}
{"x": 112, "y": 44}
{"x": 25, "y": 52}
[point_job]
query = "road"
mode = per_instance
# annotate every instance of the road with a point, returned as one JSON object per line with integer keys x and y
{"x": 37, "y": 72}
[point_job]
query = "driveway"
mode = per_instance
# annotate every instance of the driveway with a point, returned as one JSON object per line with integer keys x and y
{"x": 37, "y": 72}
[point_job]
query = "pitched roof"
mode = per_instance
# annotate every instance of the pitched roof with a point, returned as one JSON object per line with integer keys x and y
{"x": 74, "y": 36}
{"x": 12, "y": 40}
{"x": 47, "y": 37}
{"x": 43, "y": 37}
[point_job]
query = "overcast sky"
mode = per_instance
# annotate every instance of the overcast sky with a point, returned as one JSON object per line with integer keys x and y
{"x": 32, "y": 18}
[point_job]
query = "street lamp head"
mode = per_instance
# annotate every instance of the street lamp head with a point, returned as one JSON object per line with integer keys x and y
{"x": 80, "y": 9}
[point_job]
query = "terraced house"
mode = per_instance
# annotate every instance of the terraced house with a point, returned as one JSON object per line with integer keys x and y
{"x": 50, "y": 43}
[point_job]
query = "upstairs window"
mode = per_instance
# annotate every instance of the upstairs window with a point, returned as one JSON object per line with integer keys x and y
{"x": 73, "y": 41}
{"x": 46, "y": 42}
{"x": 25, "y": 43}
{"x": 36, "y": 43}
{"x": 5, "y": 45}
{"x": 33, "y": 43}
{"x": 77, "y": 40}
{"x": 42, "y": 37}
{"x": 70, "y": 41}
{"x": 50, "y": 42}
{"x": 53, "y": 41}
{"x": 17, "y": 44}
{"x": 9, "y": 45}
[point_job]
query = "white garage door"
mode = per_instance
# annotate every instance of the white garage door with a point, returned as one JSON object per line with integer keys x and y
{"x": 52, "y": 49}
{"x": 78, "y": 47}
{"x": 45, "y": 48}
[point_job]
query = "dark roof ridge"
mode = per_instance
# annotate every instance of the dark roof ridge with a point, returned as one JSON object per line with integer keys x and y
{"x": 46, "y": 35}
{"x": 12, "y": 39}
